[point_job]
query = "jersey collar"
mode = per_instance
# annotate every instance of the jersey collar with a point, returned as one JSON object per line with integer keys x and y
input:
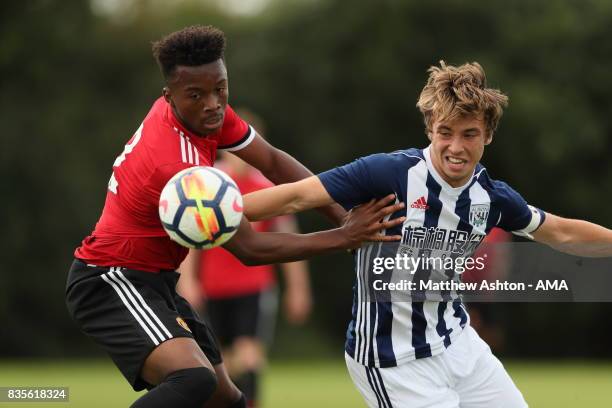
{"x": 434, "y": 173}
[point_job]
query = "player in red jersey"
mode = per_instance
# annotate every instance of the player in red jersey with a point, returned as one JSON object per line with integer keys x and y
{"x": 121, "y": 286}
{"x": 240, "y": 302}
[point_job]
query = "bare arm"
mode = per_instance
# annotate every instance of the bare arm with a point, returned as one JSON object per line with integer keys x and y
{"x": 575, "y": 237}
{"x": 286, "y": 199}
{"x": 279, "y": 167}
{"x": 253, "y": 248}
{"x": 189, "y": 283}
{"x": 362, "y": 224}
{"x": 297, "y": 296}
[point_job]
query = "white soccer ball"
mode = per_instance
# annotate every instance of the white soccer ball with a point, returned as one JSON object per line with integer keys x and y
{"x": 200, "y": 207}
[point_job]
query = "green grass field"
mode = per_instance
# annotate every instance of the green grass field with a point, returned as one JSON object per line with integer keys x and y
{"x": 97, "y": 384}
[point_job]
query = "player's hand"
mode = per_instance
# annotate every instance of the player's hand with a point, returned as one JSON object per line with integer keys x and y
{"x": 365, "y": 222}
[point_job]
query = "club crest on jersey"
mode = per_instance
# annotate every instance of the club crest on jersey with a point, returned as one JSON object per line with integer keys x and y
{"x": 183, "y": 324}
{"x": 479, "y": 214}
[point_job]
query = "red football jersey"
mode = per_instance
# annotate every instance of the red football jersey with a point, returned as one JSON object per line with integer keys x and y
{"x": 221, "y": 274}
{"x": 129, "y": 233}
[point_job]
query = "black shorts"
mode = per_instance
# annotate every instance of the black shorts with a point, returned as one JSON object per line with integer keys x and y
{"x": 130, "y": 312}
{"x": 251, "y": 315}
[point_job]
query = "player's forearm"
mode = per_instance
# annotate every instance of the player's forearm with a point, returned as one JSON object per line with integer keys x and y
{"x": 362, "y": 224}
{"x": 188, "y": 285}
{"x": 296, "y": 276}
{"x": 189, "y": 267}
{"x": 582, "y": 238}
{"x": 286, "y": 199}
{"x": 295, "y": 273}
{"x": 287, "y": 169}
{"x": 276, "y": 247}
{"x": 271, "y": 202}
{"x": 294, "y": 247}
{"x": 588, "y": 239}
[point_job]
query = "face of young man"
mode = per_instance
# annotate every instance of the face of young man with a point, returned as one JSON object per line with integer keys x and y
{"x": 198, "y": 96}
{"x": 457, "y": 147}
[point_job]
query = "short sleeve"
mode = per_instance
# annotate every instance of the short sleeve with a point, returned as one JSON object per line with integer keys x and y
{"x": 360, "y": 181}
{"x": 235, "y": 134}
{"x": 516, "y": 215}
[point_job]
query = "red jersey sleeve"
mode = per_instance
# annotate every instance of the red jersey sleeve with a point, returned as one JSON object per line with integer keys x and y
{"x": 236, "y": 134}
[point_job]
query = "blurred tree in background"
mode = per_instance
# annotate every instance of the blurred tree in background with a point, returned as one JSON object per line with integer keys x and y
{"x": 334, "y": 80}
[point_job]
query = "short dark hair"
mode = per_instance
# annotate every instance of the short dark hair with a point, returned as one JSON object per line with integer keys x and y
{"x": 191, "y": 46}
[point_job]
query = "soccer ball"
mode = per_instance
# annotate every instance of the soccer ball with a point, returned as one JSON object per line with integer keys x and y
{"x": 200, "y": 207}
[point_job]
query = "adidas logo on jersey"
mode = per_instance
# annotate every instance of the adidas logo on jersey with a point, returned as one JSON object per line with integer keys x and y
{"x": 420, "y": 204}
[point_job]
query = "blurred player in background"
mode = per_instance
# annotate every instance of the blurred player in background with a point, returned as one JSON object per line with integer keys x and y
{"x": 241, "y": 301}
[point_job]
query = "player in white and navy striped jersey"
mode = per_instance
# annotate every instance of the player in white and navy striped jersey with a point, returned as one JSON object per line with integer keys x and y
{"x": 440, "y": 219}
{"x": 423, "y": 352}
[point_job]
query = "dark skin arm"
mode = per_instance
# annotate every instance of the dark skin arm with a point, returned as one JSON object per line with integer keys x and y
{"x": 280, "y": 167}
{"x": 360, "y": 225}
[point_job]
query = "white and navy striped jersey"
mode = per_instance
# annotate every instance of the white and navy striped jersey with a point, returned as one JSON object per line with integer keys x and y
{"x": 439, "y": 219}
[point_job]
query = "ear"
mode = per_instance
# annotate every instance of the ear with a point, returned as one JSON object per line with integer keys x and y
{"x": 167, "y": 94}
{"x": 488, "y": 139}
{"x": 429, "y": 135}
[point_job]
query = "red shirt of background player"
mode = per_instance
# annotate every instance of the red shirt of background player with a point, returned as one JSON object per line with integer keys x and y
{"x": 221, "y": 274}
{"x": 129, "y": 233}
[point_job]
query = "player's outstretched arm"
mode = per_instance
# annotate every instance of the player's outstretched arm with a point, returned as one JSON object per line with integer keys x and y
{"x": 575, "y": 237}
{"x": 362, "y": 224}
{"x": 280, "y": 167}
{"x": 286, "y": 199}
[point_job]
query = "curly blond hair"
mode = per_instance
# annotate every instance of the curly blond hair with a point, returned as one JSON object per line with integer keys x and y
{"x": 452, "y": 92}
